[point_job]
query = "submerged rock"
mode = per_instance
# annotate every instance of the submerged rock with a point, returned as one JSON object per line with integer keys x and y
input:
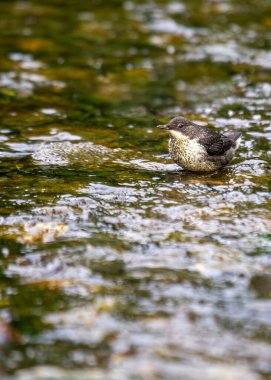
{"x": 7, "y": 334}
{"x": 89, "y": 154}
{"x": 261, "y": 284}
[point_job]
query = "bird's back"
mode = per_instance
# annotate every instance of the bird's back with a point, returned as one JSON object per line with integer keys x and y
{"x": 198, "y": 131}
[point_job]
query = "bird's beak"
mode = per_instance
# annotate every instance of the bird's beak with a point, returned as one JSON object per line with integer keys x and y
{"x": 163, "y": 126}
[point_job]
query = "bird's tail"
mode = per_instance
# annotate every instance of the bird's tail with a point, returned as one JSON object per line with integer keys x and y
{"x": 235, "y": 136}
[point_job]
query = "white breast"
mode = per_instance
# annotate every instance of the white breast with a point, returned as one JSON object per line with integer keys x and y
{"x": 188, "y": 153}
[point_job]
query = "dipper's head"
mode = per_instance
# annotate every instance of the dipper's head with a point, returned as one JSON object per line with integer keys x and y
{"x": 176, "y": 124}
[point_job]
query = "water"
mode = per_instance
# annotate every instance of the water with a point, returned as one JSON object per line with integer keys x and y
{"x": 115, "y": 263}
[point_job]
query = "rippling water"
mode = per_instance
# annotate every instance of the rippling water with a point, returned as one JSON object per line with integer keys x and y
{"x": 115, "y": 263}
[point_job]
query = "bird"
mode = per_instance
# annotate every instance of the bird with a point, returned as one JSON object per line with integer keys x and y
{"x": 198, "y": 148}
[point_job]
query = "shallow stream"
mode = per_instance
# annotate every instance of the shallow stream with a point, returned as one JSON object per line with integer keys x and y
{"x": 115, "y": 263}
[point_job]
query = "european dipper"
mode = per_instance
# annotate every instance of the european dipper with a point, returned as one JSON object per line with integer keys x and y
{"x": 198, "y": 148}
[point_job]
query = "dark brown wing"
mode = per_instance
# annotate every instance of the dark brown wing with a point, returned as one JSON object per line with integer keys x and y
{"x": 216, "y": 144}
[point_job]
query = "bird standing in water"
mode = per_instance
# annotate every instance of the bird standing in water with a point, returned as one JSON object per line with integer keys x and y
{"x": 197, "y": 148}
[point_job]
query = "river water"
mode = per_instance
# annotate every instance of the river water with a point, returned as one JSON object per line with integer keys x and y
{"x": 115, "y": 263}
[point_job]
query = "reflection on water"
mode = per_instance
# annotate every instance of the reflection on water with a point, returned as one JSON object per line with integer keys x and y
{"x": 116, "y": 263}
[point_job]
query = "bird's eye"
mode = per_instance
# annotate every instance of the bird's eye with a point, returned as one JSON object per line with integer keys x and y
{"x": 180, "y": 125}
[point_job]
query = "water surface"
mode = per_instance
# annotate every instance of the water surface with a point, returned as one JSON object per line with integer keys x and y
{"x": 115, "y": 263}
